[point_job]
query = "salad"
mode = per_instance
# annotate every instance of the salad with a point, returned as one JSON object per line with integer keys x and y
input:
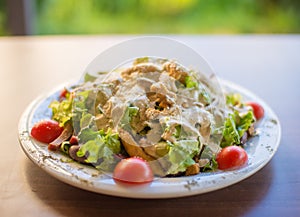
{"x": 150, "y": 118}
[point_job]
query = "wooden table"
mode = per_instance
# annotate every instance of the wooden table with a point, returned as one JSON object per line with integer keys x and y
{"x": 267, "y": 65}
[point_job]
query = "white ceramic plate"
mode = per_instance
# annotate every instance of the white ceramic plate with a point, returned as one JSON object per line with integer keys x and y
{"x": 260, "y": 150}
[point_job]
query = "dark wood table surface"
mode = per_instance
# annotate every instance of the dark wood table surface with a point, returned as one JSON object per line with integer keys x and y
{"x": 268, "y": 65}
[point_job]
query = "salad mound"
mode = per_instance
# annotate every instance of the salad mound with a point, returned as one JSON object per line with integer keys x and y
{"x": 156, "y": 109}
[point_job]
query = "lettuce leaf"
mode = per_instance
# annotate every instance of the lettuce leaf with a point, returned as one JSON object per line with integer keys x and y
{"x": 127, "y": 116}
{"x": 99, "y": 148}
{"x": 230, "y": 133}
{"x": 233, "y": 99}
{"x": 141, "y": 60}
{"x": 244, "y": 122}
{"x": 190, "y": 82}
{"x": 89, "y": 78}
{"x": 212, "y": 165}
{"x": 235, "y": 126}
{"x": 83, "y": 110}
{"x": 204, "y": 96}
{"x": 62, "y": 111}
{"x": 181, "y": 155}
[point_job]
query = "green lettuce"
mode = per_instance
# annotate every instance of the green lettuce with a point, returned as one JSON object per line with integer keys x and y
{"x": 99, "y": 148}
{"x": 190, "y": 82}
{"x": 204, "y": 96}
{"x": 235, "y": 126}
{"x": 83, "y": 110}
{"x": 212, "y": 165}
{"x": 233, "y": 99}
{"x": 62, "y": 111}
{"x": 141, "y": 60}
{"x": 127, "y": 116}
{"x": 89, "y": 78}
{"x": 181, "y": 155}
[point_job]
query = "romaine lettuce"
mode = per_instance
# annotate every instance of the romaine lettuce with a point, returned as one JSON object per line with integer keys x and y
{"x": 99, "y": 148}
{"x": 190, "y": 82}
{"x": 235, "y": 126}
{"x": 62, "y": 111}
{"x": 233, "y": 99}
{"x": 181, "y": 155}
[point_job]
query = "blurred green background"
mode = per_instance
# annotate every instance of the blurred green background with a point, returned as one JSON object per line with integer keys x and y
{"x": 162, "y": 16}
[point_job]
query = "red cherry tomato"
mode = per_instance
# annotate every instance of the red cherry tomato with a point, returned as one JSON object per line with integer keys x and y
{"x": 231, "y": 157}
{"x": 46, "y": 131}
{"x": 63, "y": 94}
{"x": 73, "y": 140}
{"x": 258, "y": 110}
{"x": 133, "y": 170}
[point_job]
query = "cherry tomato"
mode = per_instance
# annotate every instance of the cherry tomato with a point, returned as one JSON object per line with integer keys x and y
{"x": 74, "y": 140}
{"x": 46, "y": 131}
{"x": 258, "y": 110}
{"x": 63, "y": 94}
{"x": 231, "y": 157}
{"x": 133, "y": 170}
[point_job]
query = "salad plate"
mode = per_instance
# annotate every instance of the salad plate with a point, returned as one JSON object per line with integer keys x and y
{"x": 260, "y": 148}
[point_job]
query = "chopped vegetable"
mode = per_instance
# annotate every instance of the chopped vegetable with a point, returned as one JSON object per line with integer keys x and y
{"x": 62, "y": 111}
{"x": 190, "y": 82}
{"x": 231, "y": 157}
{"x": 99, "y": 148}
{"x": 181, "y": 155}
{"x": 156, "y": 110}
{"x": 233, "y": 99}
{"x": 133, "y": 170}
{"x": 46, "y": 131}
{"x": 235, "y": 126}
